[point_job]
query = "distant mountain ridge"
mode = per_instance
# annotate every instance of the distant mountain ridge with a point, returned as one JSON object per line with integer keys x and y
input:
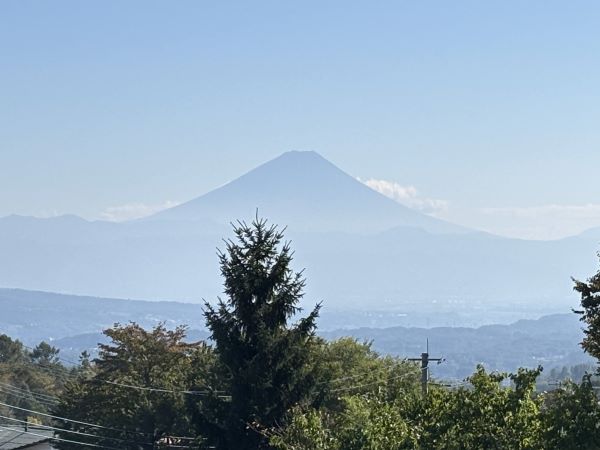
{"x": 37, "y": 315}
{"x": 304, "y": 190}
{"x": 360, "y": 249}
{"x": 75, "y": 324}
{"x": 550, "y": 341}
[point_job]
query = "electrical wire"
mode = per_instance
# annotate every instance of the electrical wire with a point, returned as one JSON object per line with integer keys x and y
{"x": 69, "y": 441}
{"x": 25, "y": 397}
{"x": 87, "y": 424}
{"x": 61, "y": 371}
{"x": 12, "y": 386}
{"x": 150, "y": 389}
{"x": 351, "y": 377}
{"x": 397, "y": 377}
{"x": 80, "y": 433}
{"x": 64, "y": 419}
{"x": 209, "y": 392}
{"x": 27, "y": 394}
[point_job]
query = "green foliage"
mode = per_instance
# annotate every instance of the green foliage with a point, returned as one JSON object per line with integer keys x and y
{"x": 346, "y": 366}
{"x": 271, "y": 384}
{"x": 137, "y": 384}
{"x": 28, "y": 379}
{"x": 368, "y": 401}
{"x": 265, "y": 360}
{"x": 44, "y": 355}
{"x": 371, "y": 423}
{"x": 306, "y": 430}
{"x": 571, "y": 417}
{"x": 11, "y": 351}
{"x": 365, "y": 423}
{"x": 590, "y": 314}
{"x": 359, "y": 404}
{"x": 485, "y": 415}
{"x": 574, "y": 373}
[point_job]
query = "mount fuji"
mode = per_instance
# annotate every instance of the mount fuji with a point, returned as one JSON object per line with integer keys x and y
{"x": 306, "y": 192}
{"x": 361, "y": 250}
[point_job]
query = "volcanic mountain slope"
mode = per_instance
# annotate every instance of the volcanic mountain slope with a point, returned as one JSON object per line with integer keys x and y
{"x": 306, "y": 192}
{"x": 360, "y": 249}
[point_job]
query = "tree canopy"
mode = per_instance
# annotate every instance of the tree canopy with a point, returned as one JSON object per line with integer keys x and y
{"x": 265, "y": 381}
{"x": 264, "y": 358}
{"x": 590, "y": 313}
{"x": 135, "y": 392}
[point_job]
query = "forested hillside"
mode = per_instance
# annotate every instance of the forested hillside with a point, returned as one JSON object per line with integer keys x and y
{"x": 266, "y": 381}
{"x": 552, "y": 341}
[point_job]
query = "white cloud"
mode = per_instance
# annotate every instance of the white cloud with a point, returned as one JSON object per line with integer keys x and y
{"x": 408, "y": 196}
{"x": 131, "y": 211}
{"x": 542, "y": 222}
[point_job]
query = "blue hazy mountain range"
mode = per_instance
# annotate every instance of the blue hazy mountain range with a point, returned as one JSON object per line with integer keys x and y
{"x": 306, "y": 192}
{"x": 360, "y": 249}
{"x": 74, "y": 324}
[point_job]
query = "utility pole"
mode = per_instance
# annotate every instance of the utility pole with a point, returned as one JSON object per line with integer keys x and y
{"x": 425, "y": 359}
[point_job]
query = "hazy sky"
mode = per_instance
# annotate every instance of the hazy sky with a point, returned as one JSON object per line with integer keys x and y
{"x": 489, "y": 111}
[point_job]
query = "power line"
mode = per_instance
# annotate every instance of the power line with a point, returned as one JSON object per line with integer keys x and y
{"x": 23, "y": 393}
{"x": 351, "y": 377}
{"x": 61, "y": 440}
{"x": 87, "y": 424}
{"x": 28, "y": 364}
{"x": 65, "y": 376}
{"x": 12, "y": 386}
{"x": 80, "y": 433}
{"x": 151, "y": 389}
{"x": 397, "y": 377}
{"x": 6, "y": 391}
{"x": 64, "y": 419}
{"x": 425, "y": 359}
{"x": 63, "y": 372}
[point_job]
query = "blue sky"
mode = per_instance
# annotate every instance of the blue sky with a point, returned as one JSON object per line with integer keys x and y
{"x": 489, "y": 108}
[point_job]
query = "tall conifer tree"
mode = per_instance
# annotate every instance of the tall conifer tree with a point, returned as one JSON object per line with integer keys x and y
{"x": 590, "y": 314}
{"x": 265, "y": 358}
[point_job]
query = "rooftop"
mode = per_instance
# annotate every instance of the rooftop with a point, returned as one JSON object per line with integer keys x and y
{"x": 15, "y": 437}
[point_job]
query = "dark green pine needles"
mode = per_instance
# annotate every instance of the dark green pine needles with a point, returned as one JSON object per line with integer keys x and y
{"x": 590, "y": 314}
{"x": 265, "y": 359}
